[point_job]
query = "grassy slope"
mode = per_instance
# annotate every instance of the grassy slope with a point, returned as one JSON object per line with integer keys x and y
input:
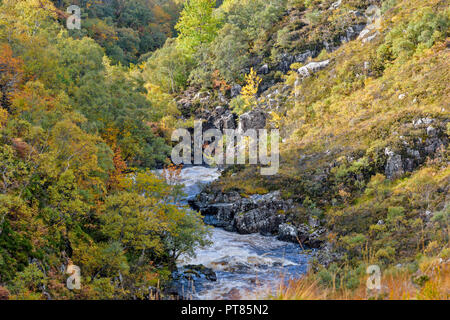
{"x": 334, "y": 157}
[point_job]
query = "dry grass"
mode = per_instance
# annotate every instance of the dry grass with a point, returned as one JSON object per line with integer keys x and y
{"x": 395, "y": 286}
{"x": 304, "y": 289}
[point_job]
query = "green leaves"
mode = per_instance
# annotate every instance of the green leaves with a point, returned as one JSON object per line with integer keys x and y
{"x": 197, "y": 25}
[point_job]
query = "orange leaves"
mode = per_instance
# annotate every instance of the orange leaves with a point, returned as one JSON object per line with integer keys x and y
{"x": 22, "y": 148}
{"x": 11, "y": 70}
{"x": 219, "y": 82}
{"x": 172, "y": 174}
{"x": 116, "y": 178}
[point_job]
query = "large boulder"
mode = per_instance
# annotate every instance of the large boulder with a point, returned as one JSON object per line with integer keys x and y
{"x": 287, "y": 232}
{"x": 306, "y": 234}
{"x": 187, "y": 279}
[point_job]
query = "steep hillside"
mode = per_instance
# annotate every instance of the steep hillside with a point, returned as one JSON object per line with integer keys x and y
{"x": 359, "y": 90}
{"x": 361, "y": 98}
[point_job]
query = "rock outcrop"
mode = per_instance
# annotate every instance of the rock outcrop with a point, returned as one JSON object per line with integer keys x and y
{"x": 413, "y": 151}
{"x": 265, "y": 214}
{"x": 253, "y": 214}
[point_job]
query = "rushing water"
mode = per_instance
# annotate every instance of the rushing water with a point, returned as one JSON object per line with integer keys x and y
{"x": 247, "y": 266}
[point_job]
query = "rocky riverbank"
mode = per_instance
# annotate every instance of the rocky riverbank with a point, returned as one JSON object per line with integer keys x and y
{"x": 265, "y": 214}
{"x": 239, "y": 260}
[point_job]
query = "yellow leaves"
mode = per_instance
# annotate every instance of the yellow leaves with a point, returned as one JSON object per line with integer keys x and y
{"x": 276, "y": 119}
{"x": 252, "y": 84}
{"x": 247, "y": 99}
{"x": 3, "y": 117}
{"x": 27, "y": 16}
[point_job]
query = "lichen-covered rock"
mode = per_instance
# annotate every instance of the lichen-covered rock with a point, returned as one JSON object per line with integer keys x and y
{"x": 327, "y": 255}
{"x": 259, "y": 220}
{"x": 412, "y": 151}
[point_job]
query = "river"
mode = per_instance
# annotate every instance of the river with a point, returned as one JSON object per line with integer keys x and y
{"x": 247, "y": 266}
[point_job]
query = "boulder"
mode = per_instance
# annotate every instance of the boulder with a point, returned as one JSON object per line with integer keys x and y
{"x": 187, "y": 279}
{"x": 287, "y": 232}
{"x": 200, "y": 269}
{"x": 260, "y": 220}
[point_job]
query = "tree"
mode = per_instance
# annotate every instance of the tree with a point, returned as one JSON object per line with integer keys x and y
{"x": 247, "y": 100}
{"x": 197, "y": 25}
{"x": 11, "y": 70}
{"x": 168, "y": 68}
{"x": 230, "y": 52}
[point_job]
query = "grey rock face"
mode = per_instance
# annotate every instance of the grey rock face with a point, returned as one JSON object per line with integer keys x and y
{"x": 257, "y": 213}
{"x": 413, "y": 152}
{"x": 394, "y": 166}
{"x": 260, "y": 220}
{"x": 302, "y": 57}
{"x": 263, "y": 214}
{"x": 226, "y": 121}
{"x": 351, "y": 33}
{"x": 255, "y": 119}
{"x": 286, "y": 59}
{"x": 221, "y": 118}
